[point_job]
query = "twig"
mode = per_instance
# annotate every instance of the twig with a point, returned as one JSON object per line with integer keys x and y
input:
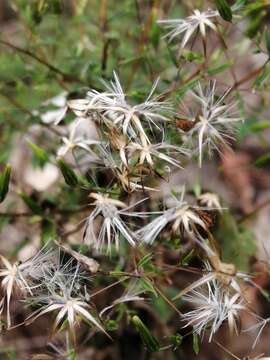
{"x": 54, "y": 211}
{"x": 109, "y": 286}
{"x": 65, "y": 76}
{"x": 168, "y": 301}
{"x": 226, "y": 350}
{"x": 249, "y": 76}
{"x": 16, "y": 103}
{"x": 15, "y": 215}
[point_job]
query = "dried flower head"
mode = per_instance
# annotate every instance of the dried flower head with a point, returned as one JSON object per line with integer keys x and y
{"x": 77, "y": 140}
{"x": 214, "y": 305}
{"x": 147, "y": 152}
{"x": 182, "y": 216}
{"x": 130, "y": 182}
{"x": 185, "y": 28}
{"x": 112, "y": 105}
{"x": 62, "y": 293}
{"x": 223, "y": 273}
{"x": 210, "y": 200}
{"x": 113, "y": 226}
{"x": 23, "y": 277}
{"x": 214, "y": 124}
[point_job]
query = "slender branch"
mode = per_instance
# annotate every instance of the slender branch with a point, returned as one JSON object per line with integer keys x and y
{"x": 65, "y": 76}
{"x": 168, "y": 301}
{"x": 249, "y": 76}
{"x": 226, "y": 350}
{"x": 55, "y": 211}
{"x": 109, "y": 286}
{"x": 29, "y": 113}
{"x": 16, "y": 103}
{"x": 15, "y": 214}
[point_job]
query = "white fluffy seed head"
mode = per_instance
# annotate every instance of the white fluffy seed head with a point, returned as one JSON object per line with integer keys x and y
{"x": 214, "y": 304}
{"x": 186, "y": 28}
{"x": 113, "y": 105}
{"x": 62, "y": 293}
{"x": 215, "y": 122}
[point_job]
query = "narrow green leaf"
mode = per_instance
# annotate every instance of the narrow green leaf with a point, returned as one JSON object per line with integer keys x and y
{"x": 267, "y": 41}
{"x": 145, "y": 260}
{"x": 31, "y": 203}
{"x": 191, "y": 56}
{"x": 197, "y": 189}
{"x": 187, "y": 258}
{"x": 238, "y": 5}
{"x": 56, "y": 6}
{"x": 131, "y": 60}
{"x": 148, "y": 339}
{"x": 263, "y": 77}
{"x": 255, "y": 23}
{"x": 237, "y": 242}
{"x": 147, "y": 285}
{"x": 70, "y": 177}
{"x": 48, "y": 231}
{"x": 117, "y": 273}
{"x": 218, "y": 69}
{"x": 260, "y": 126}
{"x": 195, "y": 343}
{"x": 155, "y": 35}
{"x": 224, "y": 9}
{"x": 162, "y": 309}
{"x": 262, "y": 160}
{"x": 41, "y": 156}
{"x": 172, "y": 57}
{"x": 4, "y": 182}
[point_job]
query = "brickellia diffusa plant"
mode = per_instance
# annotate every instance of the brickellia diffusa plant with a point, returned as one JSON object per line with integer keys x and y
{"x": 118, "y": 149}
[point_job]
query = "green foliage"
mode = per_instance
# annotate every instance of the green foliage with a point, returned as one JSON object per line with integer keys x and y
{"x": 185, "y": 260}
{"x": 220, "y": 68}
{"x": 41, "y": 156}
{"x": 263, "y": 160}
{"x": 31, "y": 203}
{"x": 262, "y": 79}
{"x": 177, "y": 340}
{"x": 224, "y": 9}
{"x": 48, "y": 231}
{"x": 69, "y": 175}
{"x": 9, "y": 352}
{"x": 111, "y": 325}
{"x": 148, "y": 339}
{"x": 4, "y": 182}
{"x": 237, "y": 242}
{"x": 145, "y": 260}
{"x": 196, "y": 343}
{"x": 162, "y": 307}
{"x": 191, "y": 56}
{"x": 147, "y": 285}
{"x": 259, "y": 126}
{"x": 40, "y": 8}
{"x": 257, "y": 11}
{"x": 267, "y": 41}
{"x": 67, "y": 50}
